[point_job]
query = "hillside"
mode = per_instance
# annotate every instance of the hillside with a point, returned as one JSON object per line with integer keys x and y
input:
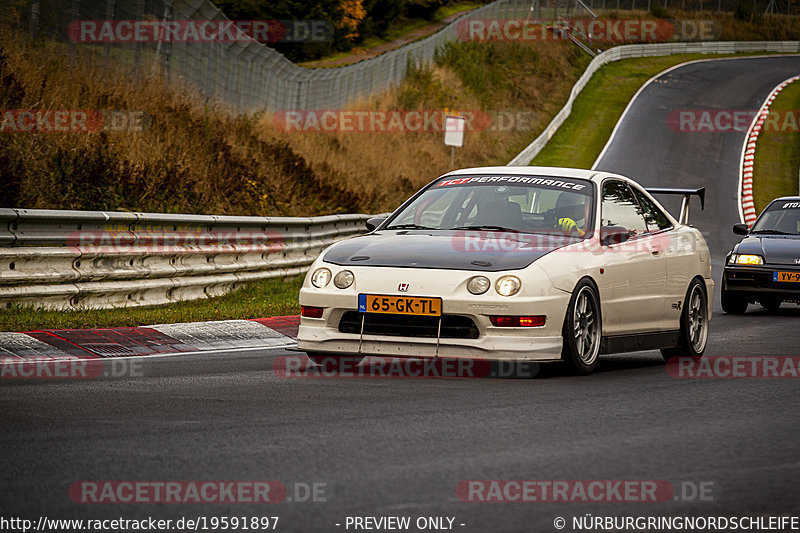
{"x": 184, "y": 155}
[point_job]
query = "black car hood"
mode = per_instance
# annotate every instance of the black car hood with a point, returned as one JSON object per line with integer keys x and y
{"x": 457, "y": 250}
{"x": 776, "y": 249}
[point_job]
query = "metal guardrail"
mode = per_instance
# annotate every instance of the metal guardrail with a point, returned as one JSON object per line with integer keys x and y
{"x": 73, "y": 259}
{"x": 643, "y": 50}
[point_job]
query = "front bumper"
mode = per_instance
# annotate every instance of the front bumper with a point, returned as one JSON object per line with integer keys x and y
{"x": 754, "y": 281}
{"x": 318, "y": 338}
{"x": 493, "y": 343}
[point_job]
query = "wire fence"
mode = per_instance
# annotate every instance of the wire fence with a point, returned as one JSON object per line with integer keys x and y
{"x": 246, "y": 75}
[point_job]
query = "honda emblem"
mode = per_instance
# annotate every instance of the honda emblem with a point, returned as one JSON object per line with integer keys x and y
{"x": 403, "y": 287}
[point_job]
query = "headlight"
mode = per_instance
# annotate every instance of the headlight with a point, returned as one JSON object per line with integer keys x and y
{"x": 508, "y": 285}
{"x": 746, "y": 259}
{"x": 479, "y": 285}
{"x": 321, "y": 277}
{"x": 344, "y": 279}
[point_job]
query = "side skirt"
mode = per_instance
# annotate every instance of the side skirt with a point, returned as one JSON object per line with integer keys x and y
{"x": 639, "y": 342}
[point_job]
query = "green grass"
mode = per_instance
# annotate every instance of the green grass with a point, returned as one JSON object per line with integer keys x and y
{"x": 273, "y": 297}
{"x": 598, "y": 107}
{"x": 459, "y": 7}
{"x": 777, "y": 157}
{"x": 578, "y": 142}
{"x": 399, "y": 29}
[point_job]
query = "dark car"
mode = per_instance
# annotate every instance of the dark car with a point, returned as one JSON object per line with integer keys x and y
{"x": 765, "y": 266}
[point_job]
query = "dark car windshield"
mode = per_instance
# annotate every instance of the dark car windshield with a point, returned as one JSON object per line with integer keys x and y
{"x": 529, "y": 204}
{"x": 780, "y": 218}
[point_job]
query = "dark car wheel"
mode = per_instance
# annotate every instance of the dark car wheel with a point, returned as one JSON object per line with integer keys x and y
{"x": 582, "y": 329}
{"x": 694, "y": 324}
{"x": 335, "y": 363}
{"x": 732, "y": 303}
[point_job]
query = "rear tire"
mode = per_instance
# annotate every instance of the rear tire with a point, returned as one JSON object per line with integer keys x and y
{"x": 582, "y": 329}
{"x": 335, "y": 363}
{"x": 694, "y": 324}
{"x": 732, "y": 303}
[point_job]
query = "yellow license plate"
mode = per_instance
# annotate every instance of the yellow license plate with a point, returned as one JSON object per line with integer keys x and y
{"x": 399, "y": 305}
{"x": 786, "y": 277}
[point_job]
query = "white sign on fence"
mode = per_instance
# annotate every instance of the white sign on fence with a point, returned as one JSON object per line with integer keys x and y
{"x": 454, "y": 130}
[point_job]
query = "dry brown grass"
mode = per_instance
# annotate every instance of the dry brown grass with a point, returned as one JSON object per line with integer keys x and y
{"x": 201, "y": 159}
{"x": 190, "y": 158}
{"x": 383, "y": 168}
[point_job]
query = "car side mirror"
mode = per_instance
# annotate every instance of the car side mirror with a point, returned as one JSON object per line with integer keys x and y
{"x": 374, "y": 222}
{"x": 740, "y": 229}
{"x": 614, "y": 235}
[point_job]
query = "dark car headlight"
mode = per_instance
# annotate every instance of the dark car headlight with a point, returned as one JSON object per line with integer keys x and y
{"x": 745, "y": 259}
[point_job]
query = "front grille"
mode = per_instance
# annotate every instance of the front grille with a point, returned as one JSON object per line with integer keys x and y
{"x": 757, "y": 280}
{"x": 453, "y": 326}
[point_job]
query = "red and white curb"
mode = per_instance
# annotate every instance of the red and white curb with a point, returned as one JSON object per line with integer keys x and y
{"x": 165, "y": 339}
{"x": 747, "y": 209}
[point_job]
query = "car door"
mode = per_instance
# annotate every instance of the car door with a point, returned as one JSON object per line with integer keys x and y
{"x": 679, "y": 253}
{"x": 634, "y": 279}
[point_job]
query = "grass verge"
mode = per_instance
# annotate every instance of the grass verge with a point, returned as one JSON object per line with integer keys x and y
{"x": 272, "y": 297}
{"x": 578, "y": 142}
{"x": 402, "y": 27}
{"x": 599, "y": 106}
{"x": 777, "y": 157}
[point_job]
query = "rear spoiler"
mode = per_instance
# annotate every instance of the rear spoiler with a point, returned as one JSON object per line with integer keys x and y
{"x": 687, "y": 194}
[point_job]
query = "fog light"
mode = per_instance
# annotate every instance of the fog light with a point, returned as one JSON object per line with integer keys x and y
{"x": 311, "y": 312}
{"x": 508, "y": 285}
{"x": 479, "y": 285}
{"x": 344, "y": 279}
{"x": 321, "y": 277}
{"x": 518, "y": 321}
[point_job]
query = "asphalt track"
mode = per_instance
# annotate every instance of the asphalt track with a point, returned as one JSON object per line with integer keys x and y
{"x": 399, "y": 447}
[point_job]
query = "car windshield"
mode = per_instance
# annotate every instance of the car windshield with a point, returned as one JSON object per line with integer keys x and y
{"x": 525, "y": 204}
{"x": 780, "y": 218}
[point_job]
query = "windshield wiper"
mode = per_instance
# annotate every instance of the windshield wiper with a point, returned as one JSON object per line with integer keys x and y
{"x": 487, "y": 228}
{"x": 408, "y": 226}
{"x": 773, "y": 231}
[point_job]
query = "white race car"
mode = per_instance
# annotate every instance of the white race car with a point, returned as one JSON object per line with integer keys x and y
{"x": 514, "y": 263}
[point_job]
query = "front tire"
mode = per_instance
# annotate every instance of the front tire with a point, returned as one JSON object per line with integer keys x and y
{"x": 582, "y": 331}
{"x": 694, "y": 324}
{"x": 732, "y": 303}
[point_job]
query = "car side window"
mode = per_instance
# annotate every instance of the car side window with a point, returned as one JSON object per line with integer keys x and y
{"x": 620, "y": 208}
{"x": 655, "y": 217}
